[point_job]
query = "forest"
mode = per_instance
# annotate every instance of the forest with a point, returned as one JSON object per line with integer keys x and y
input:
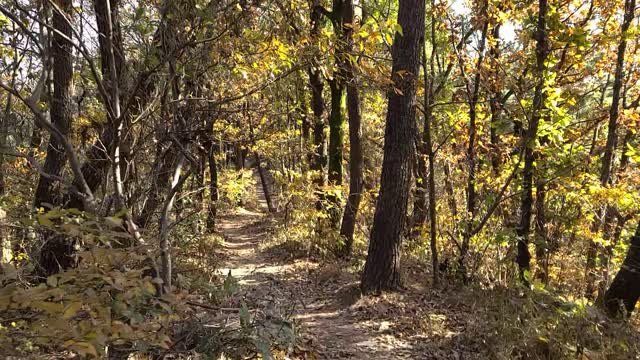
{"x": 315, "y": 179}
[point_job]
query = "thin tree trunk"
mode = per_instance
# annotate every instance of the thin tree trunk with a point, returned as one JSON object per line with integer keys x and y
{"x": 356, "y": 179}
{"x": 165, "y": 243}
{"x": 429, "y": 77}
{"x": 529, "y": 142}
{"x": 542, "y": 249}
{"x": 319, "y": 163}
{"x": 336, "y": 135}
{"x": 495, "y": 105}
{"x": 6, "y": 116}
{"x": 382, "y": 268}
{"x": 265, "y": 184}
{"x": 420, "y": 207}
{"x": 213, "y": 190}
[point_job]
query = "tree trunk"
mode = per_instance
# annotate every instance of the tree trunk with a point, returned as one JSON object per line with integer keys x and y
{"x": 56, "y": 252}
{"x": 163, "y": 163}
{"x": 382, "y": 268}
{"x": 6, "y": 249}
{"x": 495, "y": 104}
{"x": 336, "y": 135}
{"x": 529, "y": 142}
{"x": 264, "y": 183}
{"x": 612, "y": 138}
{"x": 61, "y": 115}
{"x": 542, "y": 248}
{"x": 7, "y": 115}
{"x": 356, "y": 180}
{"x": 164, "y": 225}
{"x": 319, "y": 156}
{"x": 420, "y": 207}
{"x": 429, "y": 77}
{"x": 622, "y": 296}
{"x": 96, "y": 167}
{"x": 213, "y": 190}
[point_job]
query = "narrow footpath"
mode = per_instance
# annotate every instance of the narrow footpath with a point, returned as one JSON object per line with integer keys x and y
{"x": 312, "y": 309}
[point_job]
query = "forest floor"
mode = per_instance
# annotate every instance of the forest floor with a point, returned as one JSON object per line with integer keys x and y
{"x": 319, "y": 309}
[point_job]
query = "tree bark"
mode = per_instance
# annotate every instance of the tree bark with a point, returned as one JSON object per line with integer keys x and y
{"x": 56, "y": 253}
{"x": 61, "y": 115}
{"x": 7, "y": 115}
{"x": 529, "y": 142}
{"x": 165, "y": 243}
{"x": 495, "y": 104}
{"x": 356, "y": 179}
{"x": 420, "y": 204}
{"x": 336, "y": 134}
{"x": 213, "y": 190}
{"x": 319, "y": 156}
{"x": 429, "y": 77}
{"x": 382, "y": 268}
{"x": 621, "y": 297}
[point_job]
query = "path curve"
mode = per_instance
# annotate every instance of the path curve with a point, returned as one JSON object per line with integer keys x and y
{"x": 319, "y": 303}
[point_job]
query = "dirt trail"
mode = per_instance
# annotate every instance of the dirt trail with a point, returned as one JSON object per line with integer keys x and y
{"x": 319, "y": 304}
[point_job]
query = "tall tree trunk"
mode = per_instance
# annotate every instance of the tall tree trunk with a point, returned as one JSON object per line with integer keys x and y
{"x": 429, "y": 77}
{"x": 623, "y": 294}
{"x": 612, "y": 138}
{"x": 337, "y": 87}
{"x": 473, "y": 97}
{"x": 495, "y": 104}
{"x": 382, "y": 268}
{"x": 56, "y": 253}
{"x": 7, "y": 114}
{"x": 420, "y": 207}
{"x": 336, "y": 134}
{"x": 529, "y": 142}
{"x": 61, "y": 115}
{"x": 319, "y": 156}
{"x": 165, "y": 243}
{"x": 356, "y": 179}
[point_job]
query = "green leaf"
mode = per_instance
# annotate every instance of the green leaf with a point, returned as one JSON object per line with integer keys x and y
{"x": 399, "y": 29}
